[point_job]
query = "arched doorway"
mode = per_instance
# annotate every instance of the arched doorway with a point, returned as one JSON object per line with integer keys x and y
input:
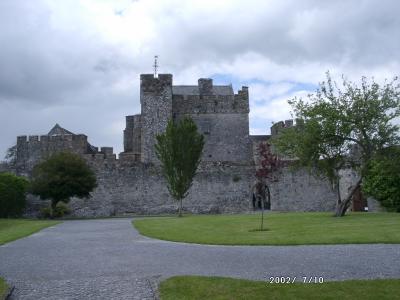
{"x": 261, "y": 196}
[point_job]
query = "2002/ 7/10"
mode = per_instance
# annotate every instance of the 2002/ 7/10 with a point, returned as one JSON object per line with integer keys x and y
{"x": 288, "y": 279}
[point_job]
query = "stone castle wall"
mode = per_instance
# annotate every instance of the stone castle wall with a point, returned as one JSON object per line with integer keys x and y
{"x": 31, "y": 149}
{"x": 226, "y": 137}
{"x": 128, "y": 187}
{"x": 211, "y": 104}
{"x": 298, "y": 190}
{"x": 133, "y": 134}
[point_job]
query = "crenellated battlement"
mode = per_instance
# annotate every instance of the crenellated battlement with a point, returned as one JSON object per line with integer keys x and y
{"x": 34, "y": 148}
{"x": 211, "y": 103}
{"x": 278, "y": 126}
{"x": 134, "y": 121}
{"x": 151, "y": 84}
{"x": 51, "y": 138}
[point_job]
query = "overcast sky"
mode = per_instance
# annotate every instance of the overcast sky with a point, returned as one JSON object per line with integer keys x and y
{"x": 77, "y": 62}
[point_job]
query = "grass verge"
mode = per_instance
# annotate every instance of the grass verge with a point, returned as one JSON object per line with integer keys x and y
{"x": 197, "y": 287}
{"x": 13, "y": 229}
{"x": 3, "y": 289}
{"x": 282, "y": 229}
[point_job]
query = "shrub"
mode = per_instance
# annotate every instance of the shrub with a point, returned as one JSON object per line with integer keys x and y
{"x": 382, "y": 180}
{"x": 12, "y": 195}
{"x": 61, "y": 209}
{"x": 45, "y": 212}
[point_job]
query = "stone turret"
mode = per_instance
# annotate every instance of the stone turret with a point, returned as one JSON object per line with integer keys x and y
{"x": 205, "y": 86}
{"x": 133, "y": 134}
{"x": 156, "y": 102}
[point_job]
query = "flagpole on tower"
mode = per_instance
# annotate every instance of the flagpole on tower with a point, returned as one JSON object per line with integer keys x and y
{"x": 155, "y": 66}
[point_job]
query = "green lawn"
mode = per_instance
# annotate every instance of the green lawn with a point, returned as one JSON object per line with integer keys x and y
{"x": 196, "y": 287}
{"x": 13, "y": 229}
{"x": 3, "y": 289}
{"x": 283, "y": 229}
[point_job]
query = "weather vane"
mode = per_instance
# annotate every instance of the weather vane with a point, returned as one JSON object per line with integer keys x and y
{"x": 155, "y": 66}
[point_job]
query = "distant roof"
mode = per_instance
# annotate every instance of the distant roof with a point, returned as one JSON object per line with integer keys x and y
{"x": 58, "y": 130}
{"x": 223, "y": 90}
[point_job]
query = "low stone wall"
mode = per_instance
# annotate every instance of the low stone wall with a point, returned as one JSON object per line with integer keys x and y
{"x": 137, "y": 188}
{"x": 298, "y": 190}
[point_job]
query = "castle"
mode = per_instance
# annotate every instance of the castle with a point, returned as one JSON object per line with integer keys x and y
{"x": 132, "y": 184}
{"x": 216, "y": 110}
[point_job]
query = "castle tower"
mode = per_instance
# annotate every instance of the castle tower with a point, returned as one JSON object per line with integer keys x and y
{"x": 156, "y": 102}
{"x": 133, "y": 134}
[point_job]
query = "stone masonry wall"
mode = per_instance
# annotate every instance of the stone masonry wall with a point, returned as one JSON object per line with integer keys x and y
{"x": 226, "y": 137}
{"x": 348, "y": 178}
{"x": 301, "y": 191}
{"x": 34, "y": 148}
{"x": 156, "y": 102}
{"x": 203, "y": 104}
{"x": 296, "y": 190}
{"x": 126, "y": 187}
{"x": 136, "y": 188}
{"x": 133, "y": 134}
{"x": 129, "y": 187}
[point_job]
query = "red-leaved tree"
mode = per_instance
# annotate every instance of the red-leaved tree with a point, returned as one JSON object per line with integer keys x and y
{"x": 266, "y": 172}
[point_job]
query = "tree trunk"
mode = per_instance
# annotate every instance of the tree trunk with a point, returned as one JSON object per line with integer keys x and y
{"x": 266, "y": 194}
{"x": 53, "y": 205}
{"x": 343, "y": 205}
{"x": 269, "y": 196}
{"x": 262, "y": 214}
{"x": 180, "y": 207}
{"x": 338, "y": 191}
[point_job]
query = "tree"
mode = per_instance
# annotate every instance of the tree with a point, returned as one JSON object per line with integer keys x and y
{"x": 382, "y": 180}
{"x": 337, "y": 120}
{"x": 12, "y": 195}
{"x": 62, "y": 176}
{"x": 11, "y": 155}
{"x": 179, "y": 150}
{"x": 269, "y": 165}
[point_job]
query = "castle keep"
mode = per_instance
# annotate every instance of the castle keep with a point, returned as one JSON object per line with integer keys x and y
{"x": 215, "y": 109}
{"x": 133, "y": 182}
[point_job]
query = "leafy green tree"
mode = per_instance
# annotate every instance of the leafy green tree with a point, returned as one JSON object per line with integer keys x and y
{"x": 179, "y": 150}
{"x": 12, "y": 195}
{"x": 337, "y": 120}
{"x": 382, "y": 180}
{"x": 11, "y": 155}
{"x": 62, "y": 176}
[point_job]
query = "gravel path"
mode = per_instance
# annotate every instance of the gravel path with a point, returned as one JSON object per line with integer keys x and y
{"x": 108, "y": 259}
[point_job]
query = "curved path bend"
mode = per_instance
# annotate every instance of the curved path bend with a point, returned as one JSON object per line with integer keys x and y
{"x": 109, "y": 259}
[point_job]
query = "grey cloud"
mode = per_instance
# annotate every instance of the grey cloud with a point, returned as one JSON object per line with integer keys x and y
{"x": 45, "y": 64}
{"x": 354, "y": 32}
{"x": 59, "y": 70}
